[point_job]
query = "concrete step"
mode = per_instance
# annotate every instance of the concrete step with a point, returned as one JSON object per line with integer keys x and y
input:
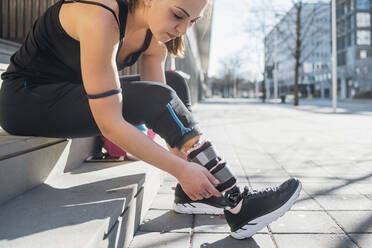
{"x": 97, "y": 205}
{"x": 26, "y": 162}
{"x": 7, "y": 49}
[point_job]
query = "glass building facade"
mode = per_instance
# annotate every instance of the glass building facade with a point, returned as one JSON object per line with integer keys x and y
{"x": 315, "y": 68}
{"x": 354, "y": 55}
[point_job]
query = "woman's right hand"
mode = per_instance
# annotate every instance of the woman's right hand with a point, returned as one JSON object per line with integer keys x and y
{"x": 198, "y": 182}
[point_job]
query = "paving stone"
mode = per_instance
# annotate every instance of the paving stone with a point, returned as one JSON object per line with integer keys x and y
{"x": 306, "y": 203}
{"x": 336, "y": 188}
{"x": 266, "y": 179}
{"x": 316, "y": 179}
{"x": 354, "y": 221}
{"x": 365, "y": 189}
{"x": 365, "y": 166}
{"x": 263, "y": 185}
{"x": 308, "y": 171}
{"x": 166, "y": 221}
{"x": 360, "y": 178}
{"x": 252, "y": 163}
{"x": 266, "y": 173}
{"x": 163, "y": 202}
{"x": 160, "y": 240}
{"x": 363, "y": 240}
{"x": 213, "y": 224}
{"x": 344, "y": 202}
{"x": 339, "y": 169}
{"x": 313, "y": 240}
{"x": 305, "y": 222}
{"x": 225, "y": 240}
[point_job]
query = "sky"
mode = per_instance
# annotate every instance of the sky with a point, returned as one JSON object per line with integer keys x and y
{"x": 237, "y": 31}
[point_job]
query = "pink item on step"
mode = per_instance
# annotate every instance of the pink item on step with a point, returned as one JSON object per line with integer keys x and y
{"x": 115, "y": 151}
{"x": 112, "y": 149}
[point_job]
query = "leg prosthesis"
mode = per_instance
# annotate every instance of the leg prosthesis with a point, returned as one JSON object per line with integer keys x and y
{"x": 205, "y": 155}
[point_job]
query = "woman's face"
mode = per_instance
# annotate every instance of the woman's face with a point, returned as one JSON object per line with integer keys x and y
{"x": 168, "y": 19}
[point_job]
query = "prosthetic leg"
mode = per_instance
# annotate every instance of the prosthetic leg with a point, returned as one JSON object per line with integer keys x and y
{"x": 205, "y": 155}
{"x": 249, "y": 211}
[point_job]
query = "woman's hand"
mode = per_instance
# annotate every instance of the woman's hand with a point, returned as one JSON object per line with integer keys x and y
{"x": 198, "y": 182}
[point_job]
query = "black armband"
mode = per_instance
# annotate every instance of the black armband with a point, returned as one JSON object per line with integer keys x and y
{"x": 105, "y": 94}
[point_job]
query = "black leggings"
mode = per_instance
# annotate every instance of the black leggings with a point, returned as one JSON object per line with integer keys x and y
{"x": 62, "y": 109}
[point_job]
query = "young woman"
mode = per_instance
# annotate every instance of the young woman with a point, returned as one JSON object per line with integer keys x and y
{"x": 63, "y": 82}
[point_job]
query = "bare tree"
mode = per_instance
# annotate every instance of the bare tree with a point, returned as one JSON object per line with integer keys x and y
{"x": 304, "y": 33}
{"x": 297, "y": 34}
{"x": 231, "y": 71}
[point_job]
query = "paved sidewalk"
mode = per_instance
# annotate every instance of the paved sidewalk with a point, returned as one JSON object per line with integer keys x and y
{"x": 265, "y": 144}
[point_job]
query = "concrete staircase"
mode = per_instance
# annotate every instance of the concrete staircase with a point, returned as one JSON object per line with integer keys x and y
{"x": 50, "y": 198}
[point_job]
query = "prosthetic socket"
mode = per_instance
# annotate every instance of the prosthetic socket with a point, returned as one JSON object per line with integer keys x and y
{"x": 205, "y": 155}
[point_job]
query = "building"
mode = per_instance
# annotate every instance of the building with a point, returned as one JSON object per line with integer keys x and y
{"x": 315, "y": 68}
{"x": 354, "y": 55}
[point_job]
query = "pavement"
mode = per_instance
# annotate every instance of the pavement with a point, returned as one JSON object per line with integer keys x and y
{"x": 265, "y": 144}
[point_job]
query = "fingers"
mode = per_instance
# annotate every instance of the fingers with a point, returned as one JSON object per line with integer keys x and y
{"x": 210, "y": 188}
{"x": 195, "y": 197}
{"x": 207, "y": 194}
{"x": 214, "y": 191}
{"x": 211, "y": 178}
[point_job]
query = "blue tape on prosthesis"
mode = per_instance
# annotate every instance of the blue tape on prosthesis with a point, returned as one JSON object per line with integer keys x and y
{"x": 142, "y": 128}
{"x": 179, "y": 123}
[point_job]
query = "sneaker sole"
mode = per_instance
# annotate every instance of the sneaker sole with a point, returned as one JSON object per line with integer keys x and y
{"x": 197, "y": 208}
{"x": 259, "y": 223}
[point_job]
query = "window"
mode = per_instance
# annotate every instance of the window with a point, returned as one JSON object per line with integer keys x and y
{"x": 363, "y": 20}
{"x": 348, "y": 23}
{"x": 362, "y": 4}
{"x": 348, "y": 40}
{"x": 363, "y": 37}
{"x": 363, "y": 54}
{"x": 308, "y": 67}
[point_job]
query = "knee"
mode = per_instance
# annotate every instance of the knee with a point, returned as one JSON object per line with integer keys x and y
{"x": 180, "y": 86}
{"x": 144, "y": 100}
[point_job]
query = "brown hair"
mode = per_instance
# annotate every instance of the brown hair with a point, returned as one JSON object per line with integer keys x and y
{"x": 175, "y": 47}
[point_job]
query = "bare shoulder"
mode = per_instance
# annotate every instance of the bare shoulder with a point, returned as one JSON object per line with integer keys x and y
{"x": 156, "y": 49}
{"x": 76, "y": 17}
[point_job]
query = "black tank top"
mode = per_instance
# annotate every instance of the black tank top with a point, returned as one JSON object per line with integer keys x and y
{"x": 50, "y": 55}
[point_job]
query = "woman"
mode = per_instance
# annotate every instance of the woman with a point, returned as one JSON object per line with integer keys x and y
{"x": 63, "y": 82}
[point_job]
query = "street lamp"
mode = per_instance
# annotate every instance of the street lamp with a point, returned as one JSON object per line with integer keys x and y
{"x": 334, "y": 57}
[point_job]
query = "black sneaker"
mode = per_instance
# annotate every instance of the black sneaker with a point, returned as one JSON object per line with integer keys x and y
{"x": 184, "y": 205}
{"x": 260, "y": 208}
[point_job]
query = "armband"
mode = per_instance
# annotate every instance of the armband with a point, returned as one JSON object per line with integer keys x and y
{"x": 105, "y": 94}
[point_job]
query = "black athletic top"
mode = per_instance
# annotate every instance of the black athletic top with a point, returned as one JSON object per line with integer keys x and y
{"x": 50, "y": 55}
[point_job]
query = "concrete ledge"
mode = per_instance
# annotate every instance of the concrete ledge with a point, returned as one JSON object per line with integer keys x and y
{"x": 11, "y": 146}
{"x": 7, "y": 49}
{"x": 26, "y": 162}
{"x": 27, "y": 170}
{"x": 94, "y": 206}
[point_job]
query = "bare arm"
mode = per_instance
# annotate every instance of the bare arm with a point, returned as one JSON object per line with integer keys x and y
{"x": 98, "y": 36}
{"x": 152, "y": 62}
{"x": 152, "y": 69}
